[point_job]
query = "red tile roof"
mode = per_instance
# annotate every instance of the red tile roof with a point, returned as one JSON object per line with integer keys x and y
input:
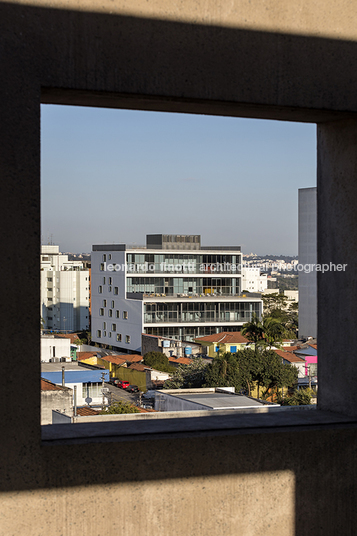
{"x": 85, "y": 355}
{"x": 139, "y": 366}
{"x": 289, "y": 356}
{"x": 49, "y": 386}
{"x": 133, "y": 358}
{"x": 291, "y": 348}
{"x": 83, "y": 412}
{"x": 225, "y": 337}
{"x": 181, "y": 360}
{"x": 115, "y": 359}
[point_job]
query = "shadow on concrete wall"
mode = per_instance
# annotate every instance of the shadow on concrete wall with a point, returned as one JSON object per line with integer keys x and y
{"x": 122, "y": 61}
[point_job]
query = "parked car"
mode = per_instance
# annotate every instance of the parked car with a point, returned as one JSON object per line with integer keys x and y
{"x": 132, "y": 388}
{"x": 123, "y": 384}
{"x": 113, "y": 381}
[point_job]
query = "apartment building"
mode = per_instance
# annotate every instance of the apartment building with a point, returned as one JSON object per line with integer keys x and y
{"x": 172, "y": 287}
{"x": 64, "y": 292}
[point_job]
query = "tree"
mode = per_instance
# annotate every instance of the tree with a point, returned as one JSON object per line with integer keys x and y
{"x": 158, "y": 361}
{"x": 120, "y": 407}
{"x": 302, "y": 397}
{"x": 253, "y": 330}
{"x": 224, "y": 371}
{"x": 188, "y": 376}
{"x": 274, "y": 374}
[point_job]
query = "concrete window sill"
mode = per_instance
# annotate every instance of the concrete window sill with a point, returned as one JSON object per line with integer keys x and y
{"x": 136, "y": 427}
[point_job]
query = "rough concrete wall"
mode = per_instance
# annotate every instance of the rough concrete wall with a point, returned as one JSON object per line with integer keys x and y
{"x": 272, "y": 59}
{"x": 58, "y": 400}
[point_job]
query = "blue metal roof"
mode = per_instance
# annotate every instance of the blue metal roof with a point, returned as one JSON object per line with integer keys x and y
{"x": 76, "y": 376}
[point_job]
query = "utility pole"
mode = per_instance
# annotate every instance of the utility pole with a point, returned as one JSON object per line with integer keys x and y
{"x": 103, "y": 376}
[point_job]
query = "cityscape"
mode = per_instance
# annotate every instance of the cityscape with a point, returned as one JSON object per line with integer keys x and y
{"x": 128, "y": 329}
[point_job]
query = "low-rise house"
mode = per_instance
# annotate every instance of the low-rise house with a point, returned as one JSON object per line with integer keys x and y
{"x": 169, "y": 347}
{"x": 88, "y": 381}
{"x": 225, "y": 341}
{"x": 292, "y": 359}
{"x": 55, "y": 398}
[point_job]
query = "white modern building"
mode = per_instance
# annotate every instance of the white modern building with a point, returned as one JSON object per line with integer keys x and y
{"x": 307, "y": 255}
{"x": 253, "y": 280}
{"x": 64, "y": 292}
{"x": 172, "y": 287}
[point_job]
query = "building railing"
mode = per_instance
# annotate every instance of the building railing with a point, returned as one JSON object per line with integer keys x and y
{"x": 160, "y": 318}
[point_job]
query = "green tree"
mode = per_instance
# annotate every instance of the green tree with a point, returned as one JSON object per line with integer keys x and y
{"x": 253, "y": 330}
{"x": 158, "y": 361}
{"x": 188, "y": 376}
{"x": 274, "y": 374}
{"x": 120, "y": 407}
{"x": 302, "y": 397}
{"x": 224, "y": 371}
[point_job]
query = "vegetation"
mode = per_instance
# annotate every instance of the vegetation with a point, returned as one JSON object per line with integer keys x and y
{"x": 158, "y": 361}
{"x": 188, "y": 376}
{"x": 120, "y": 407}
{"x": 298, "y": 398}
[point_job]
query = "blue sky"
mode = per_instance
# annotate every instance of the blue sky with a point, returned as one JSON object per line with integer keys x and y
{"x": 113, "y": 176}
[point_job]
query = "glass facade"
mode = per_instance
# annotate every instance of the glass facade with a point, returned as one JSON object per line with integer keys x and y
{"x": 183, "y": 263}
{"x": 200, "y": 312}
{"x": 191, "y": 286}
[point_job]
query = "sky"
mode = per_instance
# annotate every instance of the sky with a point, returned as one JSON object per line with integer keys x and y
{"x": 113, "y": 176}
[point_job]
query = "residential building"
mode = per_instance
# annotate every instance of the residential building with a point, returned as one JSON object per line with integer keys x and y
{"x": 169, "y": 347}
{"x": 172, "y": 287}
{"x": 253, "y": 280}
{"x": 87, "y": 380}
{"x": 223, "y": 342}
{"x": 307, "y": 256}
{"x": 53, "y": 346}
{"x": 64, "y": 292}
{"x": 55, "y": 398}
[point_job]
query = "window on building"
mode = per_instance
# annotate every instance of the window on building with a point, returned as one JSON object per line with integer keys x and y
{"x": 109, "y": 289}
{"x": 99, "y": 333}
{"x": 104, "y": 303}
{"x": 104, "y": 325}
{"x": 117, "y": 314}
{"x": 109, "y": 334}
{"x": 125, "y": 315}
{"x": 110, "y": 256}
{"x": 127, "y": 339}
{"x": 91, "y": 390}
{"x": 233, "y": 349}
{"x": 103, "y": 280}
{"x": 101, "y": 311}
{"x": 104, "y": 333}
{"x": 104, "y": 257}
{"x": 114, "y": 327}
{"x": 49, "y": 279}
{"x": 100, "y": 289}
{"x": 102, "y": 266}
{"x": 110, "y": 313}
{"x": 112, "y": 304}
{"x": 119, "y": 337}
{"x": 110, "y": 281}
{"x": 116, "y": 290}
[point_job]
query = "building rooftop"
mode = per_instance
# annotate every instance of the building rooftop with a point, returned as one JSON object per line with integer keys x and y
{"x": 216, "y": 400}
{"x": 224, "y": 337}
{"x": 46, "y": 385}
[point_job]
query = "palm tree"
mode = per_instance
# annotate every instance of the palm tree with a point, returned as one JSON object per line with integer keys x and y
{"x": 253, "y": 330}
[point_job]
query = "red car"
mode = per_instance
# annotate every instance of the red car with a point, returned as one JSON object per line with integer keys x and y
{"x": 123, "y": 384}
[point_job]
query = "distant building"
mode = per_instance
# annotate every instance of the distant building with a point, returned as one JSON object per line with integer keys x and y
{"x": 307, "y": 255}
{"x": 55, "y": 398}
{"x": 64, "y": 292}
{"x": 253, "y": 280}
{"x": 172, "y": 287}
